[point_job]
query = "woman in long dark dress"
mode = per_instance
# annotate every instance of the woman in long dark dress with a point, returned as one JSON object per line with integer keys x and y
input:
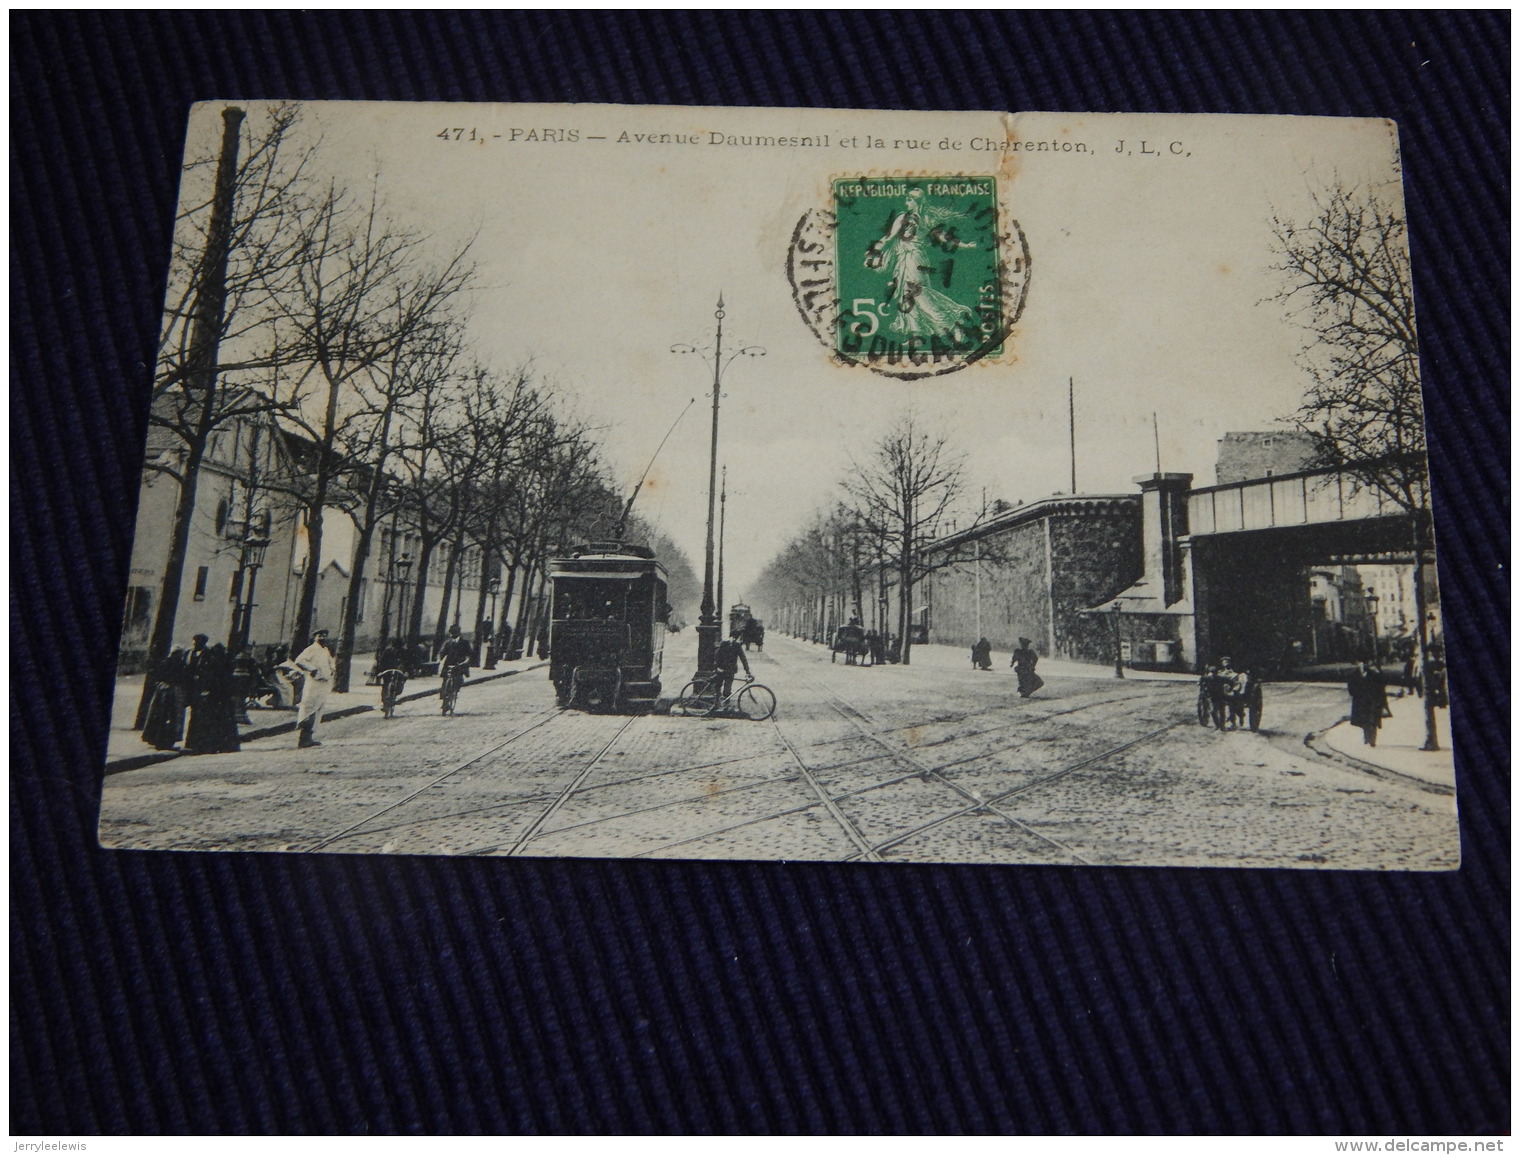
{"x": 1024, "y": 661}
{"x": 213, "y": 711}
{"x": 981, "y": 654}
{"x": 165, "y": 723}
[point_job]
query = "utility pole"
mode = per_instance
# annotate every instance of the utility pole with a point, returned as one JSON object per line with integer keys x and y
{"x": 1071, "y": 424}
{"x": 979, "y": 569}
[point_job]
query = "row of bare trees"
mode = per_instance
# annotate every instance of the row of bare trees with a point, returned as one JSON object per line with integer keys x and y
{"x": 873, "y": 542}
{"x": 303, "y": 308}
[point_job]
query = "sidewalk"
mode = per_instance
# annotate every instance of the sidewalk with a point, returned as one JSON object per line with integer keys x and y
{"x": 1399, "y": 742}
{"x": 125, "y": 749}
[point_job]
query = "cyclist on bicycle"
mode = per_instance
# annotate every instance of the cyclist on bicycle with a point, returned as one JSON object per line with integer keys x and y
{"x": 392, "y": 668}
{"x": 726, "y": 666}
{"x": 454, "y": 658}
{"x": 456, "y": 651}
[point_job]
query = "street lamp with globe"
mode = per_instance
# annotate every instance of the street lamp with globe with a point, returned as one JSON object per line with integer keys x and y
{"x": 493, "y": 587}
{"x": 401, "y": 567}
{"x": 251, "y": 556}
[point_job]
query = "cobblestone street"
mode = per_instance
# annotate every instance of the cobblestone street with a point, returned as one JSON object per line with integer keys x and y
{"x": 917, "y": 763}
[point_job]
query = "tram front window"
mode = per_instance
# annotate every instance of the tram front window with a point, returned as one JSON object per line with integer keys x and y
{"x": 591, "y": 601}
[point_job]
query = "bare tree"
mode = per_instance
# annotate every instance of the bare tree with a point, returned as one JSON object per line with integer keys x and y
{"x": 1347, "y": 282}
{"x": 474, "y": 467}
{"x": 816, "y": 576}
{"x": 417, "y": 375}
{"x": 232, "y": 251}
{"x": 364, "y": 297}
{"x": 901, "y": 495}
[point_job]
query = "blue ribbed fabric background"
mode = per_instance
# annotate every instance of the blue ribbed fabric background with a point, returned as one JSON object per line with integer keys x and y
{"x": 261, "y": 993}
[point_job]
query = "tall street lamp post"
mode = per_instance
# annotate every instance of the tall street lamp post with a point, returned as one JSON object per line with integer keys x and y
{"x": 708, "y": 626}
{"x": 251, "y": 557}
{"x": 493, "y": 588}
{"x": 385, "y": 607}
{"x": 1118, "y": 644}
{"x": 401, "y": 568}
{"x": 1372, "y": 609}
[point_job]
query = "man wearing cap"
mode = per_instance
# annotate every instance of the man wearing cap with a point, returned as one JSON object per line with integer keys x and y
{"x": 317, "y": 664}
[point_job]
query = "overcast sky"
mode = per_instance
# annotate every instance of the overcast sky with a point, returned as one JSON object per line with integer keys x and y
{"x": 1149, "y": 269}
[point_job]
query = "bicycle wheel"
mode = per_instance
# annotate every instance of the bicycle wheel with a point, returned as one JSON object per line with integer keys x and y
{"x": 756, "y": 702}
{"x": 387, "y": 703}
{"x": 450, "y": 694}
{"x": 1205, "y": 714}
{"x": 694, "y": 701}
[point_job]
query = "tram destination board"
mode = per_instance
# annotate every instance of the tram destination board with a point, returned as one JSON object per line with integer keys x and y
{"x": 779, "y": 484}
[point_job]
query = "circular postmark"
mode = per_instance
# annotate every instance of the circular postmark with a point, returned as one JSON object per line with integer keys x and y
{"x": 910, "y": 277}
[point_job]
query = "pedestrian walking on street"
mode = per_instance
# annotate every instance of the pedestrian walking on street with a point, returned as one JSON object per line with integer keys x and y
{"x": 317, "y": 664}
{"x": 165, "y": 724}
{"x": 1369, "y": 701}
{"x": 1024, "y": 661}
{"x": 981, "y": 655}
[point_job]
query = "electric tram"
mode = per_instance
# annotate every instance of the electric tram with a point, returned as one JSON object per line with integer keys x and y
{"x": 608, "y": 620}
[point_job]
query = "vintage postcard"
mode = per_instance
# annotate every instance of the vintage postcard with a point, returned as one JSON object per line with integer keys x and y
{"x": 663, "y": 482}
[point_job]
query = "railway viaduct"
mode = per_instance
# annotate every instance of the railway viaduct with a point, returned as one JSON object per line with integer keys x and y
{"x": 1226, "y": 565}
{"x": 1173, "y": 576}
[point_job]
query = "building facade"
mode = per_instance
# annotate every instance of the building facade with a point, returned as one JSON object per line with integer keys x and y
{"x": 248, "y": 549}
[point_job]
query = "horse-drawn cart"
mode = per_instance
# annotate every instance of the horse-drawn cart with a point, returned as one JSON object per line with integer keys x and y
{"x": 850, "y": 641}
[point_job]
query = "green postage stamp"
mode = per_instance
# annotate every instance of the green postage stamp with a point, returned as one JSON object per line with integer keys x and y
{"x": 917, "y": 267}
{"x": 910, "y": 277}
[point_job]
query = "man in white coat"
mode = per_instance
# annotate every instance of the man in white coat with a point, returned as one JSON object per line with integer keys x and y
{"x": 317, "y": 663}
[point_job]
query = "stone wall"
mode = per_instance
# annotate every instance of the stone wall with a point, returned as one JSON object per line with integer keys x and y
{"x": 1095, "y": 555}
{"x": 1041, "y": 571}
{"x": 1015, "y": 597}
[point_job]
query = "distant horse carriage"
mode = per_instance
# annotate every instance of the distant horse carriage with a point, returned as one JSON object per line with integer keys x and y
{"x": 1229, "y": 699}
{"x": 850, "y": 641}
{"x": 608, "y": 626}
{"x": 744, "y": 627}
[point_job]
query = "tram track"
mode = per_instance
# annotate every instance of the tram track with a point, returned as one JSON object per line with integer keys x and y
{"x": 536, "y": 825}
{"x": 862, "y": 846}
{"x": 867, "y": 850}
{"x": 860, "y": 720}
{"x": 353, "y": 827}
{"x": 539, "y": 799}
{"x": 556, "y": 799}
{"x": 1024, "y": 787}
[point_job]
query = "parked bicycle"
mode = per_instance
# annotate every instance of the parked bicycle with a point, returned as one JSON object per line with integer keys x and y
{"x": 700, "y": 698}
